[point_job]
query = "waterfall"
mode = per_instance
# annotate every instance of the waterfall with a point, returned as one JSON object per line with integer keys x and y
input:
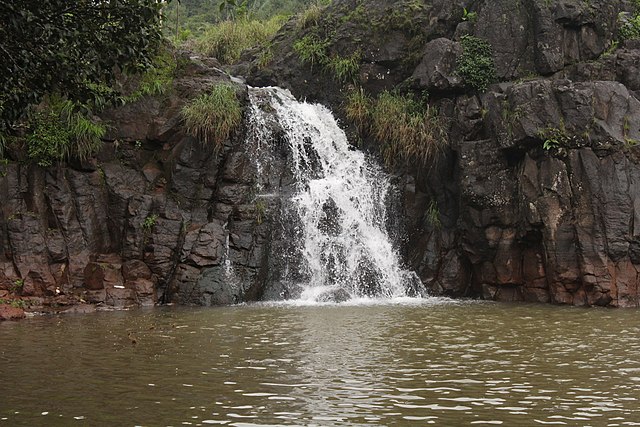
{"x": 337, "y": 205}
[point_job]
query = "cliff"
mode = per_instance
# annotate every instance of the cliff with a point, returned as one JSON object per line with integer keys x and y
{"x": 536, "y": 195}
{"x": 534, "y": 198}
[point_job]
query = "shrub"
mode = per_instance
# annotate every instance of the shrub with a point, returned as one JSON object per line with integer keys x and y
{"x": 213, "y": 116}
{"x": 59, "y": 131}
{"x": 476, "y": 64}
{"x": 226, "y": 40}
{"x": 630, "y": 26}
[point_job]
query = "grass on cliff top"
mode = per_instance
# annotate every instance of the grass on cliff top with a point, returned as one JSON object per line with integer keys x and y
{"x": 213, "y": 116}
{"x": 407, "y": 128}
{"x": 227, "y": 40}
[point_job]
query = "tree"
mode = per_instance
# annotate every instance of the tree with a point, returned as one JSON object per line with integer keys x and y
{"x": 69, "y": 47}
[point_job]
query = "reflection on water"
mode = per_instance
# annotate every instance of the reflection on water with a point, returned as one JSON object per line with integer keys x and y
{"x": 435, "y": 363}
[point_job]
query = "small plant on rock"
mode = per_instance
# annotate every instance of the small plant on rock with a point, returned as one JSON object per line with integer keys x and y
{"x": 345, "y": 68}
{"x": 469, "y": 16}
{"x": 476, "y": 64}
{"x": 312, "y": 50}
{"x": 408, "y": 128}
{"x": 433, "y": 215}
{"x": 149, "y": 222}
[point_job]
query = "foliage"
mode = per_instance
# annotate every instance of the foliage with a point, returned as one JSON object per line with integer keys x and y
{"x": 309, "y": 17}
{"x": 469, "y": 16}
{"x": 226, "y": 40}
{"x": 149, "y": 222}
{"x": 194, "y": 17}
{"x": 476, "y": 64}
{"x": 236, "y": 9}
{"x": 158, "y": 78}
{"x": 630, "y": 26}
{"x": 15, "y": 303}
{"x": 261, "y": 209}
{"x": 59, "y": 130}
{"x": 358, "y": 108}
{"x": 345, "y": 68}
{"x": 213, "y": 116}
{"x": 407, "y": 127}
{"x": 61, "y": 46}
{"x": 312, "y": 50}
{"x": 433, "y": 215}
{"x": 17, "y": 285}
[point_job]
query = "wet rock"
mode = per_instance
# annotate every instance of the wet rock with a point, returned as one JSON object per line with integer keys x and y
{"x": 8, "y": 312}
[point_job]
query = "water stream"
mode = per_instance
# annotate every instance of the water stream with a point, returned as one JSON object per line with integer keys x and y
{"x": 339, "y": 204}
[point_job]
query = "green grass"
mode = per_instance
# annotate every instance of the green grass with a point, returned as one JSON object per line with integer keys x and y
{"x": 158, "y": 79}
{"x": 476, "y": 64}
{"x": 213, "y": 116}
{"x": 312, "y": 50}
{"x": 345, "y": 69}
{"x": 358, "y": 108}
{"x": 310, "y": 16}
{"x": 227, "y": 40}
{"x": 59, "y": 131}
{"x": 407, "y": 128}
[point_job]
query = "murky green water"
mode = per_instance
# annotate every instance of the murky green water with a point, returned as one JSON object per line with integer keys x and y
{"x": 441, "y": 363}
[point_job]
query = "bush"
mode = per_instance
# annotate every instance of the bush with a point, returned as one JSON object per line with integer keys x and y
{"x": 226, "y": 40}
{"x": 59, "y": 131}
{"x": 476, "y": 64}
{"x": 158, "y": 78}
{"x": 213, "y": 116}
{"x": 630, "y": 26}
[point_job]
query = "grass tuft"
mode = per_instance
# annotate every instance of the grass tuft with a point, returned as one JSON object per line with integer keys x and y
{"x": 407, "y": 128}
{"x": 213, "y": 116}
{"x": 227, "y": 40}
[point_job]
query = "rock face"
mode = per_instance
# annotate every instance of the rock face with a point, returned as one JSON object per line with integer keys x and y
{"x": 154, "y": 218}
{"x": 536, "y": 198}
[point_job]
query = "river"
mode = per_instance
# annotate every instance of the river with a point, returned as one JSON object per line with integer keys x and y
{"x": 414, "y": 362}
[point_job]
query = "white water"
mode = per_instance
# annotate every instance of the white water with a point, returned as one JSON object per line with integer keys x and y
{"x": 340, "y": 203}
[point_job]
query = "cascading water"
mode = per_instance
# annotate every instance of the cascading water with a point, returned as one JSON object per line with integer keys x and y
{"x": 338, "y": 204}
